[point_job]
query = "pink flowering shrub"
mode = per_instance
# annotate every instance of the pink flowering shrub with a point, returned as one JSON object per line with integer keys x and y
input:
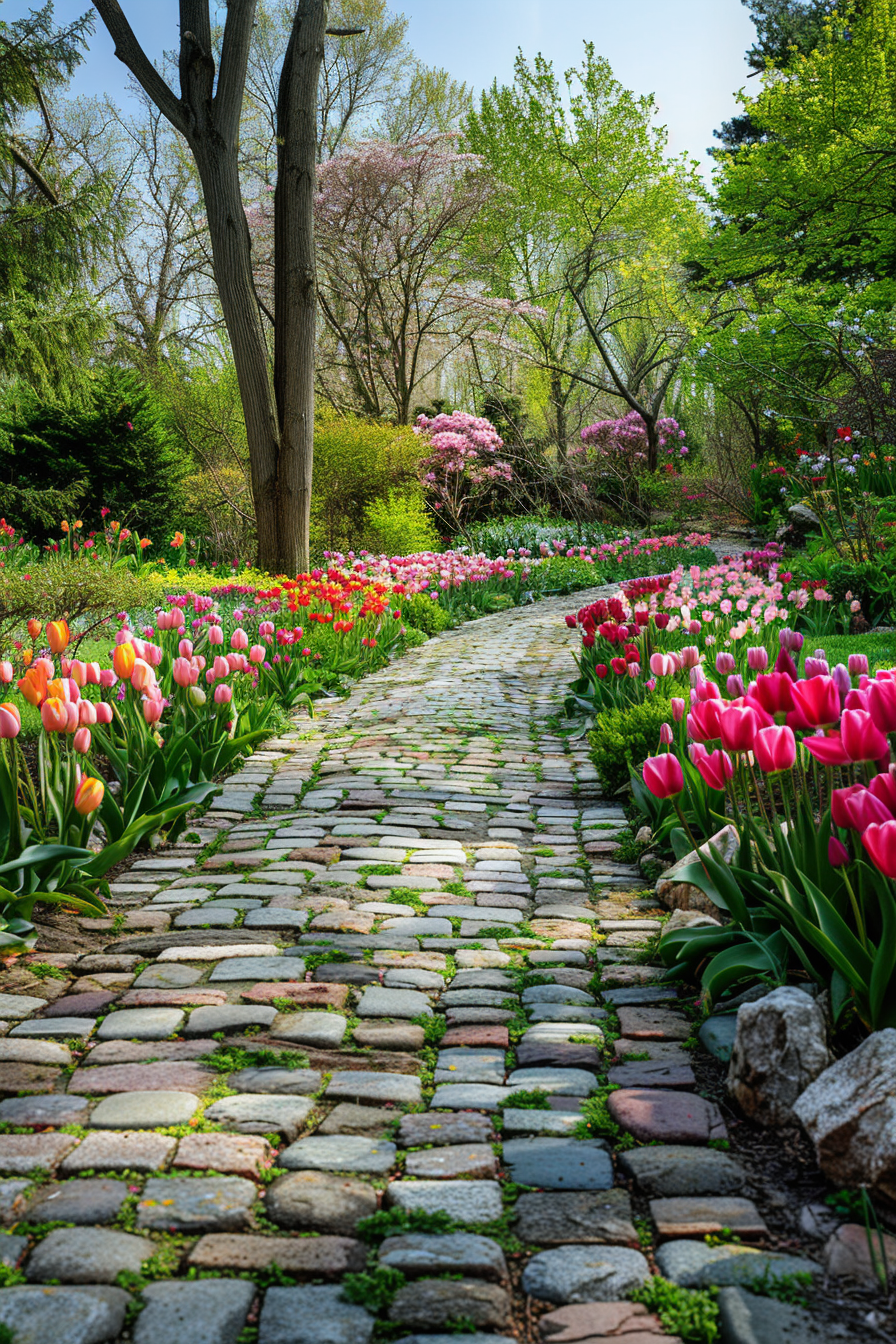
{"x": 462, "y": 463}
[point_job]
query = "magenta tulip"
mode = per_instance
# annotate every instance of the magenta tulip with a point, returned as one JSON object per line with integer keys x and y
{"x": 757, "y": 658}
{"x": 663, "y": 776}
{"x": 882, "y": 704}
{"x": 880, "y": 842}
{"x": 775, "y": 749}
{"x": 818, "y": 700}
{"x": 858, "y": 664}
{"x": 738, "y": 726}
{"x": 838, "y": 854}
{"x": 827, "y": 749}
{"x": 862, "y": 739}
{"x": 716, "y": 768}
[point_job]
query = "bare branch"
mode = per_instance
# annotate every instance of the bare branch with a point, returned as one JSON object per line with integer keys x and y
{"x": 131, "y": 54}
{"x": 34, "y": 173}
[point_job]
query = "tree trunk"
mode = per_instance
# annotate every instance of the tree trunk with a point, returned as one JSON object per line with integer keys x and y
{"x": 653, "y": 440}
{"x": 295, "y": 293}
{"x": 559, "y": 403}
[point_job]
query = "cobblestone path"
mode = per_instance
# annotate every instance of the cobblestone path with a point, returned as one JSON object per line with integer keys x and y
{"x": 310, "y": 1046}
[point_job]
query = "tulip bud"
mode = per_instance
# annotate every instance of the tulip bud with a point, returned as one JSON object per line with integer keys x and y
{"x": 666, "y": 735}
{"x": 775, "y": 749}
{"x": 223, "y": 694}
{"x": 6, "y": 671}
{"x": 858, "y": 664}
{"x": 142, "y": 677}
{"x": 87, "y": 714}
{"x": 58, "y": 635}
{"x": 103, "y": 712}
{"x": 663, "y": 776}
{"x": 790, "y": 641}
{"x": 838, "y": 854}
{"x": 107, "y": 678}
{"x": 880, "y": 842}
{"x": 196, "y": 696}
{"x": 757, "y": 658}
{"x": 81, "y": 741}
{"x": 266, "y": 629}
{"x": 239, "y": 639}
{"x": 690, "y": 656}
{"x": 152, "y": 710}
{"x": 124, "y": 658}
{"x": 54, "y": 715}
{"x": 678, "y": 708}
{"x": 257, "y": 653}
{"x": 34, "y": 629}
{"x": 735, "y": 686}
{"x": 185, "y": 648}
{"x": 816, "y": 667}
{"x": 725, "y": 663}
{"x": 182, "y": 672}
{"x": 215, "y": 634}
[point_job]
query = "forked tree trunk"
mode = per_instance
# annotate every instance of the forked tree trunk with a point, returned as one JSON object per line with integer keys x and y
{"x": 279, "y": 413}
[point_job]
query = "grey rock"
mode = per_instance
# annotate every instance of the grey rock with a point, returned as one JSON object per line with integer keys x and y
{"x": 557, "y": 994}
{"x": 585, "y": 1274}
{"x": 585, "y": 1217}
{"x": 339, "y": 1152}
{"x": 262, "y": 1113}
{"x": 12, "y": 1202}
{"x": 476, "y": 998}
{"x": 209, "y": 1311}
{"x": 636, "y": 996}
{"x": 468, "y": 1065}
{"x": 12, "y": 1249}
{"x": 849, "y": 1113}
{"x": 484, "y": 979}
{"x": 144, "y": 1110}
{"x": 55, "y": 1026}
{"x": 779, "y": 1049}
{"x": 717, "y": 1035}
{"x": 258, "y": 968}
{"x": 228, "y": 1017}
{"x": 196, "y": 1204}
{"x": 66, "y": 1315}
{"x": 565, "y": 1012}
{"x": 691, "y": 1264}
{"x": 562, "y": 1082}
{"x": 276, "y": 918}
{"x": 352, "y": 1085}
{"x": 316, "y": 1314}
{"x": 318, "y": 1202}
{"x": 457, "y": 1253}
{"x": 746, "y": 1318}
{"x": 34, "y": 1052}
{"x": 321, "y": 1030}
{"x": 140, "y": 1024}
{"x": 44, "y": 1110}
{"x": 539, "y": 1122}
{"x": 434, "y": 1302}
{"x": 379, "y": 1002}
{"x": 168, "y": 975}
{"x": 677, "y": 895}
{"x": 86, "y": 1255}
{"x": 803, "y": 518}
{"x": 464, "y": 1201}
{"x": 470, "y": 1096}
{"x": 115, "y": 1150}
{"x": 279, "y": 1082}
{"x": 94, "y": 1200}
{"x": 14, "y": 1006}
{"x": 408, "y": 978}
{"x": 559, "y": 1164}
{"x": 678, "y": 1169}
{"x": 436, "y": 1128}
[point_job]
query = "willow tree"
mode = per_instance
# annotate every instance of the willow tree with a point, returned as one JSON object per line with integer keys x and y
{"x": 278, "y": 404}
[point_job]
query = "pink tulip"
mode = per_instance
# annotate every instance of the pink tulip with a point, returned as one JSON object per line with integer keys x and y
{"x": 185, "y": 648}
{"x": 818, "y": 700}
{"x": 266, "y": 629}
{"x": 107, "y": 678}
{"x": 10, "y": 721}
{"x": 775, "y": 749}
{"x": 78, "y": 672}
{"x": 223, "y": 695}
{"x": 858, "y": 664}
{"x": 7, "y": 672}
{"x": 81, "y": 741}
{"x": 880, "y": 842}
{"x": 666, "y": 735}
{"x": 678, "y": 708}
{"x": 661, "y": 665}
{"x": 725, "y": 663}
{"x": 93, "y": 674}
{"x": 142, "y": 676}
{"x": 257, "y": 653}
{"x": 757, "y": 658}
{"x": 663, "y": 776}
{"x": 862, "y": 739}
{"x": 738, "y": 726}
{"x": 87, "y": 715}
{"x": 705, "y": 690}
{"x": 790, "y": 641}
{"x": 883, "y": 786}
{"x": 689, "y": 655}
{"x": 103, "y": 712}
{"x": 152, "y": 710}
{"x": 715, "y": 768}
{"x": 182, "y": 672}
{"x": 220, "y": 668}
{"x": 882, "y": 704}
{"x": 703, "y": 721}
{"x": 215, "y": 634}
{"x": 239, "y": 639}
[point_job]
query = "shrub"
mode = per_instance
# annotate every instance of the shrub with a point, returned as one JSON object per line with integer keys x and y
{"x": 422, "y": 613}
{"x": 355, "y": 464}
{"x": 399, "y": 524}
{"x": 624, "y": 738}
{"x": 116, "y": 438}
{"x": 68, "y": 589}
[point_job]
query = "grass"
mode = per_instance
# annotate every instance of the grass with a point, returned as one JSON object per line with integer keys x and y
{"x": 880, "y": 646}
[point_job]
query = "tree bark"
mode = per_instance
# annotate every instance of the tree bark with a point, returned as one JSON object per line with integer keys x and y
{"x": 279, "y": 415}
{"x": 295, "y": 278}
{"x": 559, "y": 402}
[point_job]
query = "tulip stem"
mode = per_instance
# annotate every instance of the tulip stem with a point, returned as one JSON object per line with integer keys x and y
{"x": 856, "y": 910}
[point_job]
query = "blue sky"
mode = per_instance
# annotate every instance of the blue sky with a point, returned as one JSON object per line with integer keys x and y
{"x": 689, "y": 53}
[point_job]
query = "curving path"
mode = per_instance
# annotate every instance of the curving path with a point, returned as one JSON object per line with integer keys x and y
{"x": 369, "y": 981}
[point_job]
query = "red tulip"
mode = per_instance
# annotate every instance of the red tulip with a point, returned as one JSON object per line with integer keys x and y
{"x": 775, "y": 749}
{"x": 716, "y": 767}
{"x": 774, "y": 693}
{"x": 819, "y": 701}
{"x": 738, "y": 727}
{"x": 663, "y": 776}
{"x": 601, "y": 671}
{"x": 882, "y": 704}
{"x": 840, "y": 814}
{"x": 862, "y": 739}
{"x": 880, "y": 842}
{"x": 619, "y": 666}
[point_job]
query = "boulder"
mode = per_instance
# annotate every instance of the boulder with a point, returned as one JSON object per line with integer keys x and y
{"x": 779, "y": 1049}
{"x": 688, "y": 919}
{"x": 677, "y": 895}
{"x": 849, "y": 1113}
{"x": 803, "y": 518}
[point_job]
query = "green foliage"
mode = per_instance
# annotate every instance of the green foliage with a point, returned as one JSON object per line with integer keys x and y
{"x": 399, "y": 1222}
{"x": 623, "y": 739}
{"x": 691, "y": 1314}
{"x": 357, "y": 463}
{"x": 424, "y": 614}
{"x": 231, "y": 1058}
{"x": 115, "y": 436}
{"x": 399, "y": 524}
{"x": 794, "y": 1289}
{"x": 75, "y": 589}
{"x": 434, "y": 1027}
{"x": 534, "y": 1099}
{"x": 373, "y": 1289}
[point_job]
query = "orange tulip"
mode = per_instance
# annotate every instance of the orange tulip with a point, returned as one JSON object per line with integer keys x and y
{"x": 88, "y": 795}
{"x": 27, "y": 656}
{"x": 58, "y": 635}
{"x": 54, "y": 715}
{"x": 124, "y": 657}
{"x": 34, "y": 685}
{"x": 34, "y": 629}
